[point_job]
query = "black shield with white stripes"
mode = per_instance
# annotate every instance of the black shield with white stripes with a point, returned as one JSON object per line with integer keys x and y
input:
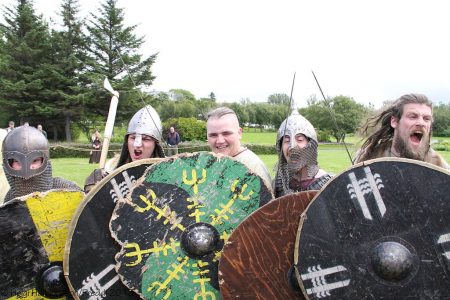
{"x": 90, "y": 250}
{"x": 379, "y": 229}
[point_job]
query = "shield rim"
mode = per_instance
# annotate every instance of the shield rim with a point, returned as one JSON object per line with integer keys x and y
{"x": 88, "y": 197}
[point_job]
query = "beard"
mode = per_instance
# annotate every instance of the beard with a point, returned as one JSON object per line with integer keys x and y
{"x": 404, "y": 150}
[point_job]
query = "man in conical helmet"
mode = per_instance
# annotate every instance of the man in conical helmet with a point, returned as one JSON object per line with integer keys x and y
{"x": 142, "y": 140}
{"x": 26, "y": 163}
{"x": 297, "y": 168}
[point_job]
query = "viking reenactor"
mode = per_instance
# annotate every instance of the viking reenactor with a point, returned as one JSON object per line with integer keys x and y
{"x": 142, "y": 140}
{"x": 26, "y": 163}
{"x": 405, "y": 130}
{"x": 297, "y": 168}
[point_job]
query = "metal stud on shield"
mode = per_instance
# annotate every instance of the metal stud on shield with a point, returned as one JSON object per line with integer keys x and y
{"x": 173, "y": 226}
{"x": 379, "y": 229}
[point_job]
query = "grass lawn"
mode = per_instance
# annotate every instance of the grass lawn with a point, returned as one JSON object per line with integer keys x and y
{"x": 73, "y": 169}
{"x": 332, "y": 158}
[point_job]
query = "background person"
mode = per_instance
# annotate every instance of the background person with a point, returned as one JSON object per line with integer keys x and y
{"x": 26, "y": 163}
{"x": 224, "y": 136}
{"x": 39, "y": 127}
{"x": 96, "y": 148}
{"x": 173, "y": 139}
{"x": 4, "y": 186}
{"x": 404, "y": 131}
{"x": 297, "y": 167}
{"x": 10, "y": 126}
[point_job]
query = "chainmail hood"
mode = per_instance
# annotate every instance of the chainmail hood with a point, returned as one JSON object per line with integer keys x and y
{"x": 299, "y": 158}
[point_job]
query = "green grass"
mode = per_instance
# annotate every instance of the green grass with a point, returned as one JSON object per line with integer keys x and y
{"x": 332, "y": 157}
{"x": 73, "y": 169}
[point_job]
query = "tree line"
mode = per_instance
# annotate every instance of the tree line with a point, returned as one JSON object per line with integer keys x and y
{"x": 54, "y": 75}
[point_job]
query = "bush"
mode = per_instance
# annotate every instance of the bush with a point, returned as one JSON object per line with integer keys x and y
{"x": 441, "y": 146}
{"x": 323, "y": 136}
{"x": 59, "y": 150}
{"x": 189, "y": 129}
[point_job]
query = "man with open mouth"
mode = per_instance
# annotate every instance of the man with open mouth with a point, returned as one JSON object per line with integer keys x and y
{"x": 404, "y": 131}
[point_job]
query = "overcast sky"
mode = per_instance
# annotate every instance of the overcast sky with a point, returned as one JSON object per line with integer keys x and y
{"x": 369, "y": 50}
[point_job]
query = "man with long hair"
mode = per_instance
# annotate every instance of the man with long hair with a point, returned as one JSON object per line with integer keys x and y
{"x": 404, "y": 130}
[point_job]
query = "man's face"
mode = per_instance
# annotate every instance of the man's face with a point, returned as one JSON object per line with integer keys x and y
{"x": 412, "y": 131}
{"x": 140, "y": 146}
{"x": 224, "y": 135}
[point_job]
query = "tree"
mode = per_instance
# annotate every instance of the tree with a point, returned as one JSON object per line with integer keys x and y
{"x": 339, "y": 115}
{"x": 212, "y": 96}
{"x": 26, "y": 71}
{"x": 113, "y": 53}
{"x": 441, "y": 120}
{"x": 70, "y": 44}
{"x": 279, "y": 99}
{"x": 182, "y": 95}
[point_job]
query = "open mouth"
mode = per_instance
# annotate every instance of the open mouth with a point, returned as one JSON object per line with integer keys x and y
{"x": 137, "y": 153}
{"x": 416, "y": 136}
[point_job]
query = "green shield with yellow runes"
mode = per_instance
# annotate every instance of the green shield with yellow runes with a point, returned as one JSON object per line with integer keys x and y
{"x": 174, "y": 224}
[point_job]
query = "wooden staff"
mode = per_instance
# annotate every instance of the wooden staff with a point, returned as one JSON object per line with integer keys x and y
{"x": 109, "y": 122}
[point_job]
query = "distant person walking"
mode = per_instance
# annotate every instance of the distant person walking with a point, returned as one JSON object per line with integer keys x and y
{"x": 10, "y": 126}
{"x": 173, "y": 139}
{"x": 39, "y": 127}
{"x": 96, "y": 148}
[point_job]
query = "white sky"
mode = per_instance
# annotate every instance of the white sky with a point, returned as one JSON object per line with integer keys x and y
{"x": 369, "y": 50}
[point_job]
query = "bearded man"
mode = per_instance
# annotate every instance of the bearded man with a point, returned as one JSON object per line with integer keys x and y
{"x": 404, "y": 131}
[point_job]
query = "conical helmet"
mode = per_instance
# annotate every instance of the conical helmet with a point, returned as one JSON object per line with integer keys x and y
{"x": 146, "y": 121}
{"x": 294, "y": 125}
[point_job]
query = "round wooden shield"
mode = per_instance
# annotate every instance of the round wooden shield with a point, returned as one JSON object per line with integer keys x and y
{"x": 378, "y": 230}
{"x": 33, "y": 232}
{"x": 90, "y": 249}
{"x": 173, "y": 225}
{"x": 258, "y": 258}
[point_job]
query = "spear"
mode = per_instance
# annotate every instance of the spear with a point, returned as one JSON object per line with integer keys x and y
{"x": 109, "y": 122}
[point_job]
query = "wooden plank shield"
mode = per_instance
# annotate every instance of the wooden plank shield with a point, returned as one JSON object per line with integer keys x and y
{"x": 173, "y": 225}
{"x": 90, "y": 249}
{"x": 33, "y": 232}
{"x": 378, "y": 230}
{"x": 257, "y": 260}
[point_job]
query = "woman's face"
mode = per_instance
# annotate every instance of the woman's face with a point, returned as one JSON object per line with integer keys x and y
{"x": 140, "y": 146}
{"x": 300, "y": 141}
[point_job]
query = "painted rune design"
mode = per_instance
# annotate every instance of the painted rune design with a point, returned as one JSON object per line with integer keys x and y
{"x": 93, "y": 288}
{"x": 121, "y": 190}
{"x": 320, "y": 286}
{"x": 372, "y": 183}
{"x": 445, "y": 238}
